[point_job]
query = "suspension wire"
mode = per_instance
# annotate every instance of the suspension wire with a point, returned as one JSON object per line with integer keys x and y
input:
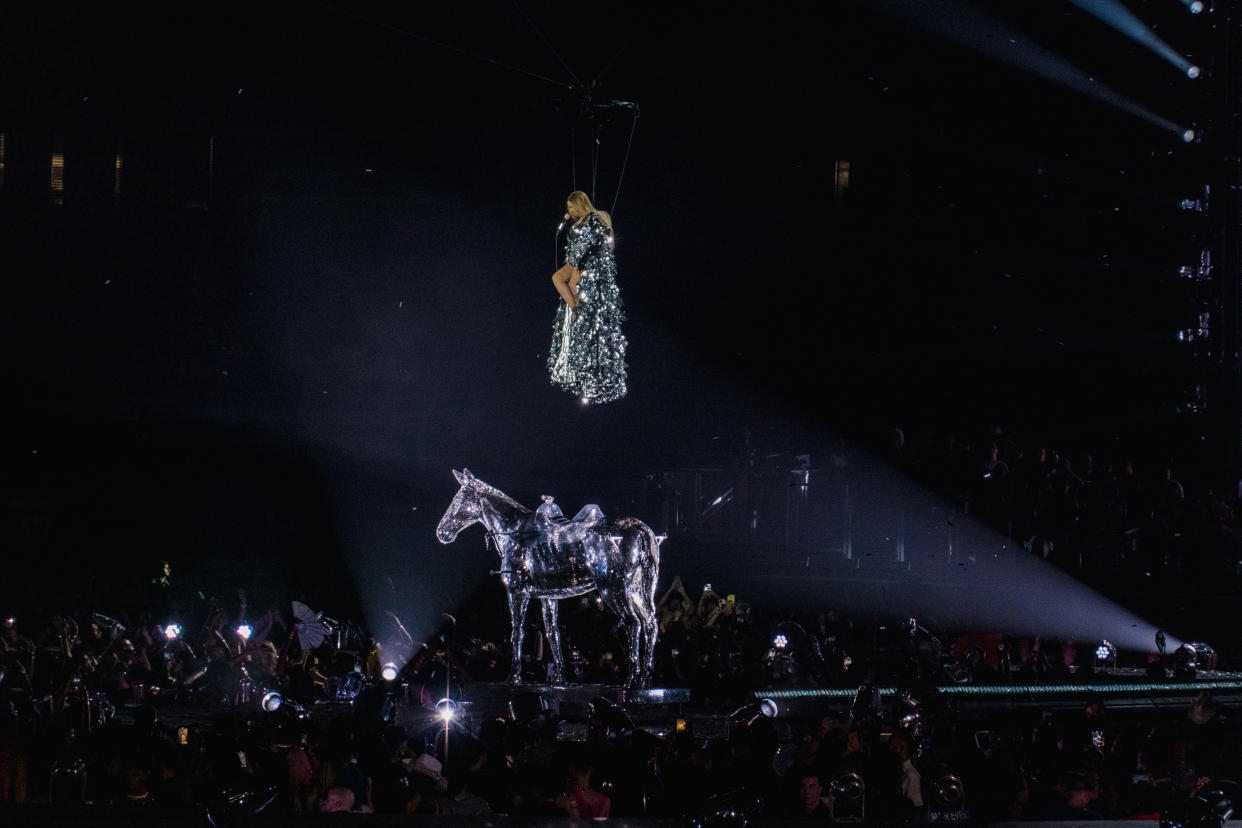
{"x": 407, "y": 33}
{"x": 609, "y": 64}
{"x": 628, "y": 144}
{"x": 573, "y": 156}
{"x": 595, "y": 133}
{"x": 547, "y": 43}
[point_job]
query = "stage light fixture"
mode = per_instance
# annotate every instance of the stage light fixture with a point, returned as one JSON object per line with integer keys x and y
{"x": 1192, "y": 72}
{"x": 847, "y": 798}
{"x": 244, "y": 631}
{"x": 172, "y": 631}
{"x": 1196, "y": 7}
{"x": 607, "y": 721}
{"x": 781, "y": 641}
{"x": 271, "y": 701}
{"x": 752, "y": 712}
{"x": 947, "y": 795}
{"x": 1105, "y": 653}
{"x": 1185, "y": 665}
{"x": 1189, "y": 136}
{"x": 1198, "y": 273}
{"x": 1203, "y": 331}
{"x": 389, "y": 672}
{"x": 446, "y": 710}
{"x": 527, "y": 708}
{"x": 1210, "y": 809}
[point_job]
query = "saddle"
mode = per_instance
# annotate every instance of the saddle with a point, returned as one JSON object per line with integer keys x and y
{"x": 553, "y": 528}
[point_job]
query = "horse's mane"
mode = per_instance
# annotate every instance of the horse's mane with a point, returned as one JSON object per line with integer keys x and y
{"x": 488, "y": 489}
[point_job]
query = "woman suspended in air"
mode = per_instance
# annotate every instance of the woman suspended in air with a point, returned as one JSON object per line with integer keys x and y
{"x": 588, "y": 348}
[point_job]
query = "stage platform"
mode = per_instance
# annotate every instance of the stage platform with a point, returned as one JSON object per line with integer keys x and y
{"x": 657, "y": 710}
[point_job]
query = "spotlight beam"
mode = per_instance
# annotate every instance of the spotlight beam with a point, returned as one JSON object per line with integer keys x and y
{"x": 1124, "y": 21}
{"x": 952, "y": 568}
{"x": 975, "y": 30}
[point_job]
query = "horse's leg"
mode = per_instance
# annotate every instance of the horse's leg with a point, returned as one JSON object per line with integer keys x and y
{"x": 615, "y": 599}
{"x": 552, "y": 629}
{"x": 651, "y": 629}
{"x": 518, "y": 601}
{"x": 634, "y": 636}
{"x": 647, "y": 616}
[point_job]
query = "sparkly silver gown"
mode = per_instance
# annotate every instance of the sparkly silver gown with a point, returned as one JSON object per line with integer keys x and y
{"x": 588, "y": 354}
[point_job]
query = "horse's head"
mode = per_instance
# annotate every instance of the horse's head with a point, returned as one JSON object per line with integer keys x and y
{"x": 463, "y": 511}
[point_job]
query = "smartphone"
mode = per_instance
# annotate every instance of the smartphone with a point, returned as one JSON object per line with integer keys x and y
{"x": 241, "y": 757}
{"x": 1097, "y": 738}
{"x": 183, "y": 735}
{"x": 680, "y": 725}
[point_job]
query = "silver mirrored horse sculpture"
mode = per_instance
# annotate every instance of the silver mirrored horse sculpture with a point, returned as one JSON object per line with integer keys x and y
{"x": 545, "y": 556}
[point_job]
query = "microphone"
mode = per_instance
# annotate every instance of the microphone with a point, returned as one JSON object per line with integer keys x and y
{"x": 564, "y": 221}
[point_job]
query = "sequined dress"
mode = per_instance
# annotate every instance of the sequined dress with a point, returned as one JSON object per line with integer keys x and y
{"x": 588, "y": 354}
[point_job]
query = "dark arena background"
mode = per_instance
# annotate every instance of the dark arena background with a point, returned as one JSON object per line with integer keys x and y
{"x": 933, "y": 321}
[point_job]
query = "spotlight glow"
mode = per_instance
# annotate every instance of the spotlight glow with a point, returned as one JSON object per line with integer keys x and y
{"x": 953, "y": 567}
{"x": 272, "y": 701}
{"x": 1188, "y": 135}
{"x": 1123, "y": 20}
{"x": 172, "y": 631}
{"x": 973, "y": 28}
{"x": 1196, "y": 7}
{"x": 389, "y": 672}
{"x": 1192, "y": 72}
{"x": 446, "y": 710}
{"x": 781, "y": 641}
{"x": 244, "y": 631}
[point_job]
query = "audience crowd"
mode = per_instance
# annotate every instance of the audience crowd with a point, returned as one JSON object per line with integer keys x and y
{"x": 122, "y": 712}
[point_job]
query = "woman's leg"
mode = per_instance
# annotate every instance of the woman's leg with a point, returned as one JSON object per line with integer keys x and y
{"x": 561, "y": 279}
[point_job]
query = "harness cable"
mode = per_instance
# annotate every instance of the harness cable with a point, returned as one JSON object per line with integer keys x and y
{"x": 577, "y": 87}
{"x": 450, "y": 47}
{"x": 628, "y": 144}
{"x": 595, "y": 133}
{"x": 546, "y": 42}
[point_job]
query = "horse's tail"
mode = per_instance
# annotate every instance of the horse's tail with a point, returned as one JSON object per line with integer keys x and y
{"x": 650, "y": 540}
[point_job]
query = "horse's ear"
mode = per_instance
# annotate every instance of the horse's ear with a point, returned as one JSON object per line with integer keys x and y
{"x": 459, "y": 477}
{"x": 465, "y": 472}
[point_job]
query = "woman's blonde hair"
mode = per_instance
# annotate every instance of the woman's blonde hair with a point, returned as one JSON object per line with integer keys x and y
{"x": 583, "y": 201}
